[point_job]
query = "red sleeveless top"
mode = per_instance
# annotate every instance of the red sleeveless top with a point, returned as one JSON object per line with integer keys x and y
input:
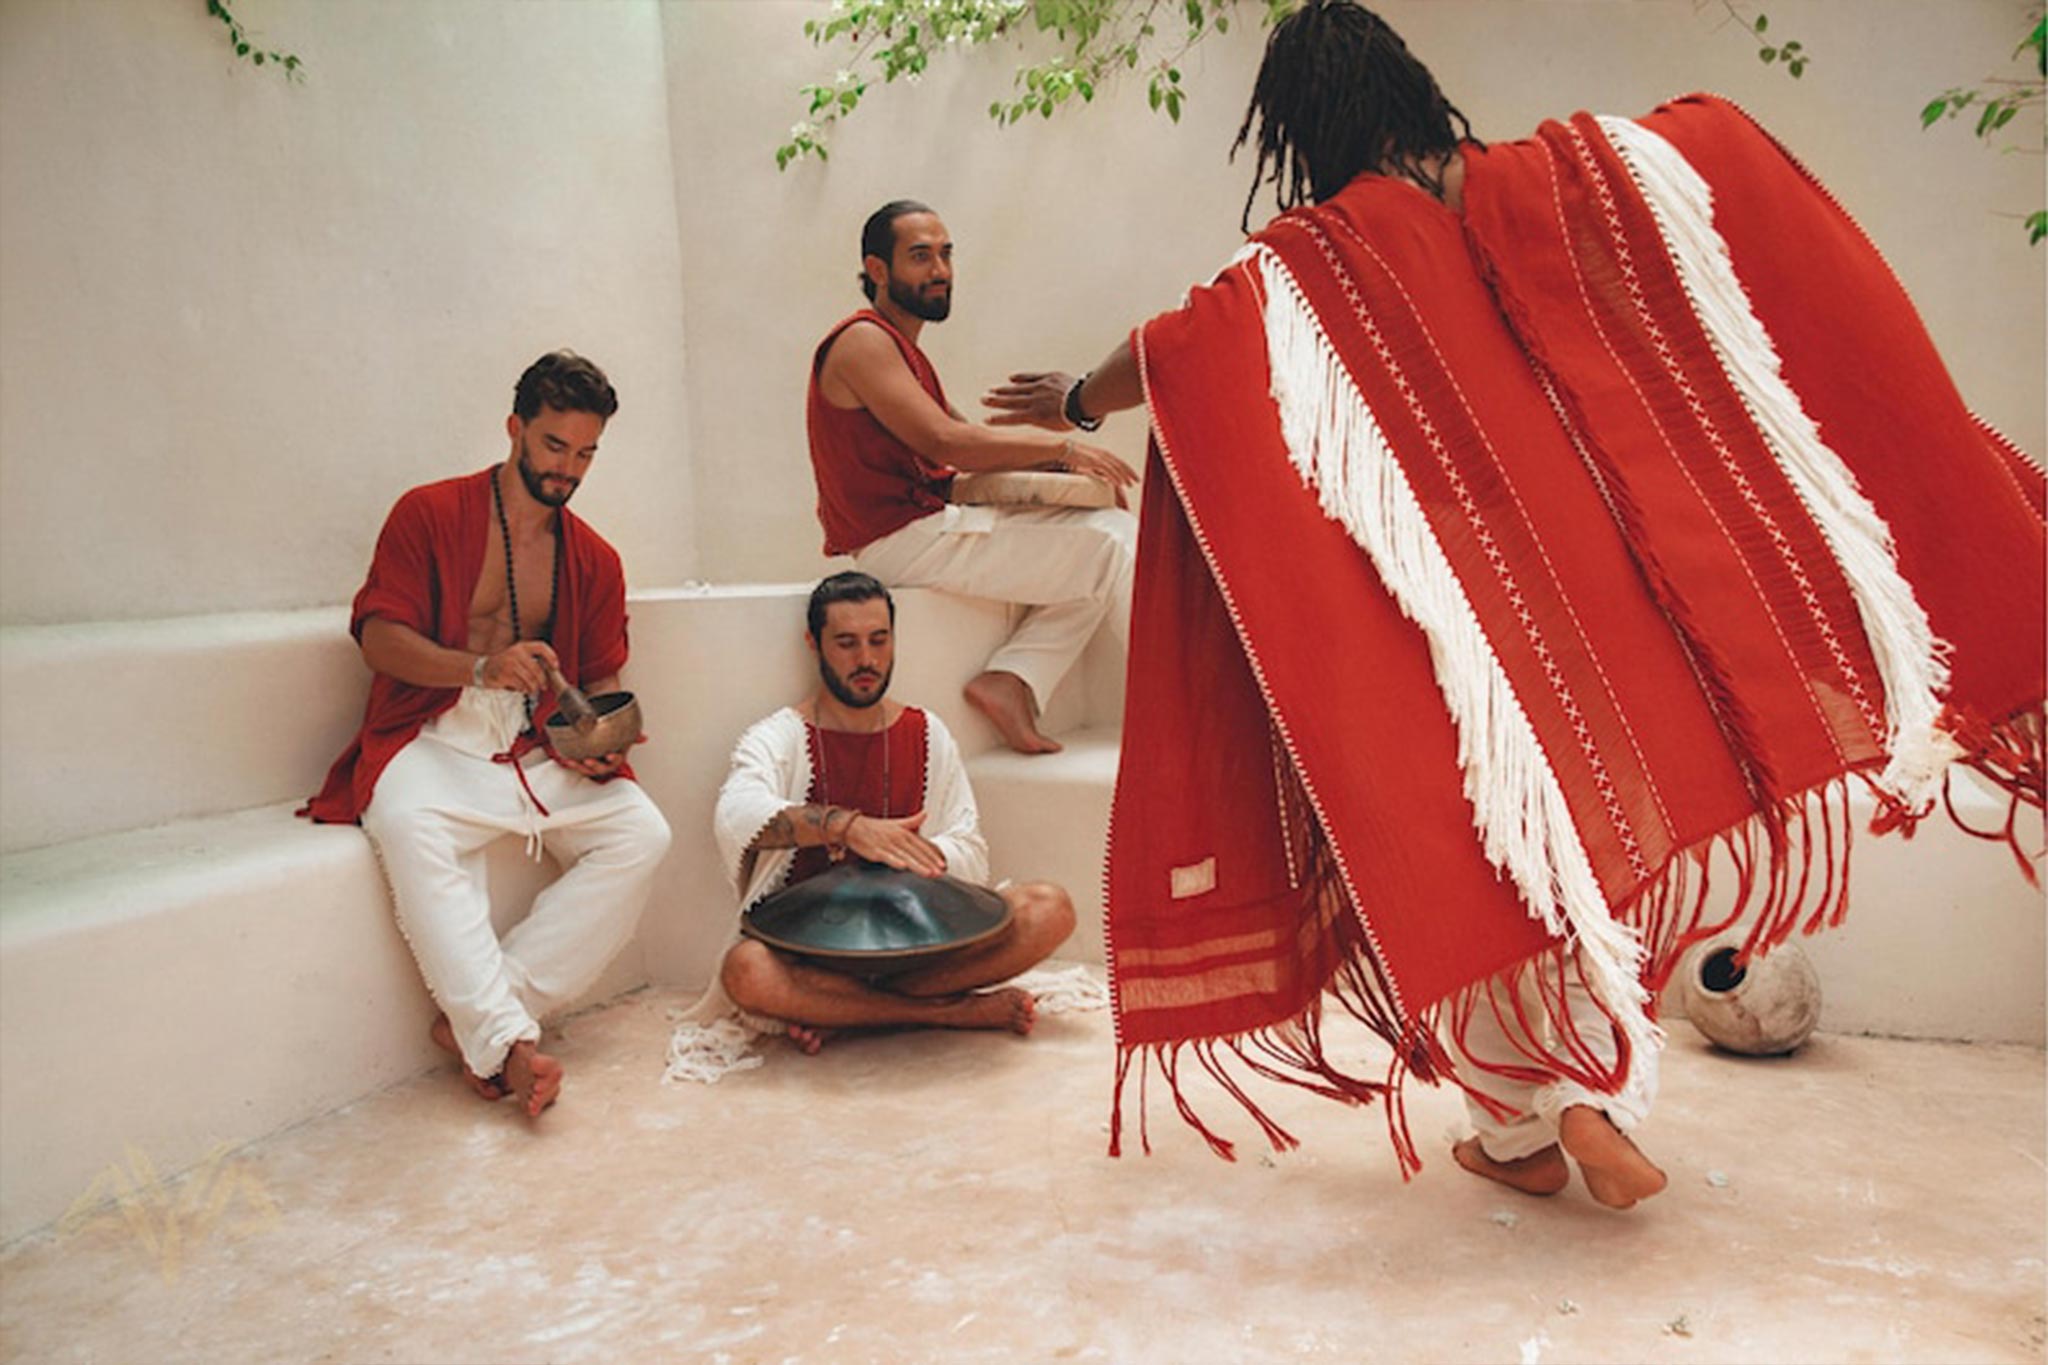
{"x": 870, "y": 483}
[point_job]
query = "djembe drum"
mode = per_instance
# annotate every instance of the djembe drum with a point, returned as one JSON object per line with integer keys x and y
{"x": 1032, "y": 488}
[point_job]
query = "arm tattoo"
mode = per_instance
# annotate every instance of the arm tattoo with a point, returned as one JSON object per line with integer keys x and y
{"x": 784, "y": 831}
{"x": 777, "y": 833}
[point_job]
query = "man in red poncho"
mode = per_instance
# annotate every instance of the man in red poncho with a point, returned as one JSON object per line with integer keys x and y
{"x": 480, "y": 585}
{"x": 1524, "y": 523}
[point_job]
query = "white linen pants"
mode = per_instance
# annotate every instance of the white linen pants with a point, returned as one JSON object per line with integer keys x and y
{"x": 1071, "y": 566}
{"x": 439, "y": 803}
{"x": 1541, "y": 1105}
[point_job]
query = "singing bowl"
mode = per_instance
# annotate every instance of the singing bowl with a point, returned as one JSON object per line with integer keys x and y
{"x": 860, "y": 917}
{"x": 1032, "y": 488}
{"x": 618, "y": 725}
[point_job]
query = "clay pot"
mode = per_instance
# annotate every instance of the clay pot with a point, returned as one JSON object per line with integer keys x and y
{"x": 1763, "y": 1008}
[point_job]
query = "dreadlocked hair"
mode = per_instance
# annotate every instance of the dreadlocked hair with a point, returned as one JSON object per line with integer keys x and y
{"x": 1338, "y": 94}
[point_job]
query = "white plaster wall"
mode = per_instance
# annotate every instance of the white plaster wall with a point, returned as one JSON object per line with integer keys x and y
{"x": 239, "y": 317}
{"x": 1070, "y": 231}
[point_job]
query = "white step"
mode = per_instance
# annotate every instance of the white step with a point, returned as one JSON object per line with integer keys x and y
{"x": 1047, "y": 819}
{"x": 207, "y": 981}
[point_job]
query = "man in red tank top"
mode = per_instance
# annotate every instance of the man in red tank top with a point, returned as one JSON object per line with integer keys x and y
{"x": 885, "y": 445}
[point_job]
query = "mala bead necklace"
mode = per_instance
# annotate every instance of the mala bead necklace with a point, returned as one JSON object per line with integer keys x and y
{"x": 512, "y": 583}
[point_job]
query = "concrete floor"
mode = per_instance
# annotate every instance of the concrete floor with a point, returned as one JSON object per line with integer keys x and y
{"x": 946, "y": 1198}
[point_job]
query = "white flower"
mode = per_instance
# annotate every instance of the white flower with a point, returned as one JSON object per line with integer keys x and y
{"x": 802, "y": 129}
{"x": 843, "y": 76}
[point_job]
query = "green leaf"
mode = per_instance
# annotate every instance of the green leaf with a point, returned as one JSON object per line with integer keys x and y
{"x": 241, "y": 49}
{"x": 2037, "y": 226}
{"x": 1984, "y": 119}
{"x": 2037, "y": 40}
{"x": 2005, "y": 116}
{"x": 1798, "y": 68}
{"x": 1152, "y": 96}
{"x": 1931, "y": 115}
{"x": 1768, "y": 54}
{"x": 1763, "y": 21}
{"x": 259, "y": 59}
{"x": 1223, "y": 23}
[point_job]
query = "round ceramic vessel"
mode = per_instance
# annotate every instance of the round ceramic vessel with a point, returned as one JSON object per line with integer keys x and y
{"x": 872, "y": 920}
{"x": 1763, "y": 1008}
{"x": 618, "y": 725}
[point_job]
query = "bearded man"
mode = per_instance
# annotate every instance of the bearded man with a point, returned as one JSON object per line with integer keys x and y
{"x": 885, "y": 445}
{"x": 480, "y": 586}
{"x": 850, "y": 772}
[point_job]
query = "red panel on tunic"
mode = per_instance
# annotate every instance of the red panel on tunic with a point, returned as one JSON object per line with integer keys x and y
{"x": 879, "y": 774}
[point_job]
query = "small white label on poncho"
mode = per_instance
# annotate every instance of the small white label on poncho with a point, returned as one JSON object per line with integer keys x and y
{"x": 1195, "y": 879}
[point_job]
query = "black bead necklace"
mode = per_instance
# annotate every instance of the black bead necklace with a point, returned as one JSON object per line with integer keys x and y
{"x": 512, "y": 582}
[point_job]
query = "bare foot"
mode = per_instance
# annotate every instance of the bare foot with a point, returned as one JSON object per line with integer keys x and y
{"x": 1008, "y": 1008}
{"x": 1004, "y": 699}
{"x": 1616, "y": 1171}
{"x": 1541, "y": 1172}
{"x": 489, "y": 1087}
{"x": 533, "y": 1076}
{"x": 809, "y": 1039}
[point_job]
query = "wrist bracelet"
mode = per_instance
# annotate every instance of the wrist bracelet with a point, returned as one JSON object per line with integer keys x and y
{"x": 476, "y": 670}
{"x": 1072, "y": 411}
{"x": 834, "y": 852}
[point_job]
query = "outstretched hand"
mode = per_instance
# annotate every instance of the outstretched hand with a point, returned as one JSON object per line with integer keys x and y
{"x": 896, "y": 843}
{"x": 1035, "y": 398}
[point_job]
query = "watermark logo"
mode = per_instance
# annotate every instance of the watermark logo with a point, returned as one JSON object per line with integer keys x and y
{"x": 168, "y": 1219}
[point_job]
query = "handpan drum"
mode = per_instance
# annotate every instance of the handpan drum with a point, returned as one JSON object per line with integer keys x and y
{"x": 1032, "y": 488}
{"x": 871, "y": 920}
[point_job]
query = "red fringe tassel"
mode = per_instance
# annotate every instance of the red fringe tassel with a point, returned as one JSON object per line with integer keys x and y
{"x": 1790, "y": 865}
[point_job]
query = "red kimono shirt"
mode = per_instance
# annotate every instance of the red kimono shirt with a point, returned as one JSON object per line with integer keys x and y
{"x": 423, "y": 575}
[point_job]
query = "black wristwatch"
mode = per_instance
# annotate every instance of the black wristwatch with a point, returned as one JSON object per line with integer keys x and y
{"x": 1071, "y": 409}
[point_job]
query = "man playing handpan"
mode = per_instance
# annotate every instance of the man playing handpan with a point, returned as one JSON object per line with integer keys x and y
{"x": 849, "y": 772}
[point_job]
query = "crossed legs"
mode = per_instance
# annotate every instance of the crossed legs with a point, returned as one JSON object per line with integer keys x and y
{"x": 945, "y": 994}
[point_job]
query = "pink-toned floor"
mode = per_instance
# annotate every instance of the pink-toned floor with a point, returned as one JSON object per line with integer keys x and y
{"x": 946, "y": 1198}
